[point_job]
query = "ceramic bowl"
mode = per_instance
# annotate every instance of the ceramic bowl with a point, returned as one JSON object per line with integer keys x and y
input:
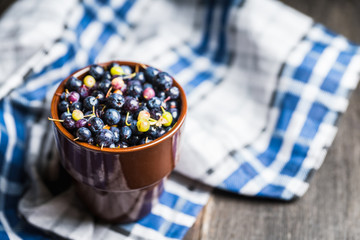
{"x": 118, "y": 184}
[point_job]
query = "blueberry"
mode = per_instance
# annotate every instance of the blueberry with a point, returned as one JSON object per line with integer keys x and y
{"x": 140, "y": 77}
{"x": 111, "y": 116}
{"x": 84, "y": 134}
{"x": 134, "y": 82}
{"x": 69, "y": 123}
{"x": 155, "y": 113}
{"x": 173, "y": 93}
{"x": 154, "y": 103}
{"x": 115, "y": 101}
{"x": 116, "y": 132}
{"x": 95, "y": 124}
{"x": 131, "y": 104}
{"x": 152, "y": 132}
{"x": 81, "y": 123}
{"x": 125, "y": 133}
{"x": 90, "y": 102}
{"x": 99, "y": 95}
{"x": 148, "y": 85}
{"x": 73, "y": 84}
{"x": 96, "y": 71}
{"x": 175, "y": 113}
{"x": 161, "y": 95}
{"x": 75, "y": 105}
{"x": 83, "y": 91}
{"x": 104, "y": 138}
{"x": 134, "y": 140}
{"x": 127, "y": 69}
{"x": 150, "y": 74}
{"x": 65, "y": 115}
{"x": 163, "y": 81}
{"x": 91, "y": 141}
{"x": 104, "y": 86}
{"x": 161, "y": 131}
{"x": 63, "y": 106}
{"x": 106, "y": 76}
{"x": 134, "y": 90}
{"x": 133, "y": 127}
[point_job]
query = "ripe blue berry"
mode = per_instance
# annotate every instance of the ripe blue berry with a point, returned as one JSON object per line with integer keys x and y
{"x": 115, "y": 101}
{"x": 104, "y": 138}
{"x": 95, "y": 124}
{"x": 84, "y": 134}
{"x": 96, "y": 71}
{"x": 112, "y": 116}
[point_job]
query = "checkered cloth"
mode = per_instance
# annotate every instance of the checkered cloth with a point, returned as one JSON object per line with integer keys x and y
{"x": 265, "y": 87}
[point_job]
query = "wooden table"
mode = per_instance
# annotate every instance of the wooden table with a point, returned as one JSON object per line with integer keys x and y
{"x": 331, "y": 207}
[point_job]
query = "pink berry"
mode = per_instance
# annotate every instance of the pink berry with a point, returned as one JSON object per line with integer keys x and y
{"x": 74, "y": 97}
{"x": 117, "y": 83}
{"x": 149, "y": 93}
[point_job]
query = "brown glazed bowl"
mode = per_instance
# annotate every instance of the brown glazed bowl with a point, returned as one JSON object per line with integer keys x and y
{"x": 118, "y": 185}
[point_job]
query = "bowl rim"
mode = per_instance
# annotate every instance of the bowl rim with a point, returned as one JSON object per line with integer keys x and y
{"x": 155, "y": 142}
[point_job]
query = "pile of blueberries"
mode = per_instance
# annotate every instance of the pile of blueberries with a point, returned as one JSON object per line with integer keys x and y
{"x": 119, "y": 106}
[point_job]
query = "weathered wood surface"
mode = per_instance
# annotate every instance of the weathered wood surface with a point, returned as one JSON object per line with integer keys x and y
{"x": 331, "y": 207}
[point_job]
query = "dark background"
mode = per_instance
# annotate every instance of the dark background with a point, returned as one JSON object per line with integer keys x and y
{"x": 331, "y": 207}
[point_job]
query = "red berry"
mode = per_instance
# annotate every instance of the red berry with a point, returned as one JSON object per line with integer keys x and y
{"x": 149, "y": 93}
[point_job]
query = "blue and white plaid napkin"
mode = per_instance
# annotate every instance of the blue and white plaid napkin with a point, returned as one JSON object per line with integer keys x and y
{"x": 265, "y": 85}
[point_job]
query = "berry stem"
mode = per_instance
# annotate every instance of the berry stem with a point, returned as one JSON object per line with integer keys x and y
{"x": 143, "y": 66}
{"x": 108, "y": 92}
{"x": 137, "y": 68}
{"x": 167, "y": 99}
{"x": 163, "y": 110}
{"x": 129, "y": 76}
{"x": 76, "y": 139}
{"x": 55, "y": 120}
{"x": 126, "y": 119}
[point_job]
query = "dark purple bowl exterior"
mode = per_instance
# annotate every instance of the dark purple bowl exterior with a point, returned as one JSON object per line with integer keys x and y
{"x": 118, "y": 185}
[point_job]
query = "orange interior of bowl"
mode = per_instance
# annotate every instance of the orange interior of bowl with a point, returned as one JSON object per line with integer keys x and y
{"x": 80, "y": 74}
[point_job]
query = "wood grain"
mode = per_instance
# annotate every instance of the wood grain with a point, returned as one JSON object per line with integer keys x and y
{"x": 331, "y": 207}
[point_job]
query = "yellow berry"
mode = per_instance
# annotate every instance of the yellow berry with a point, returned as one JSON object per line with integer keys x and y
{"x": 168, "y": 117}
{"x": 117, "y": 70}
{"x": 89, "y": 81}
{"x": 143, "y": 115}
{"x": 143, "y": 125}
{"x": 77, "y": 115}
